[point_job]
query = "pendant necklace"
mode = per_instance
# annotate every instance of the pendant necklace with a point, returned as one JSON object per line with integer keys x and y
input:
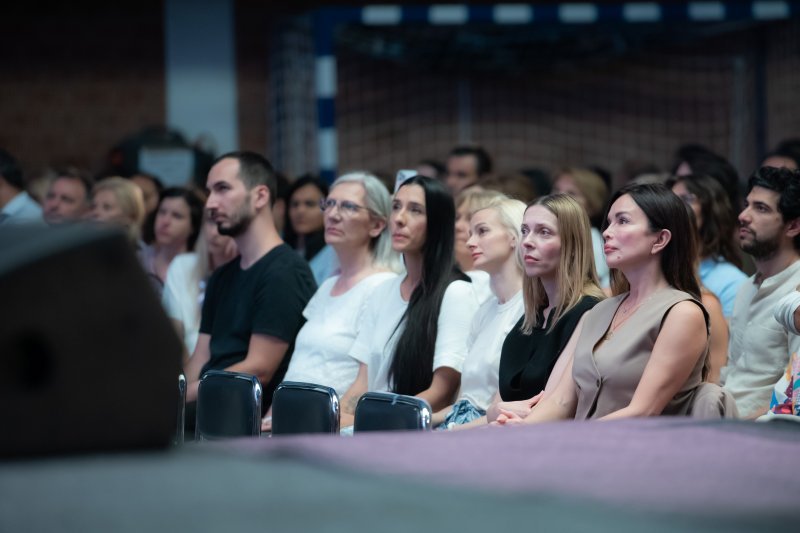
{"x": 625, "y": 316}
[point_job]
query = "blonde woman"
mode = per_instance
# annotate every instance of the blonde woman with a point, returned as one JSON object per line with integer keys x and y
{"x": 119, "y": 202}
{"x": 589, "y": 189}
{"x": 642, "y": 352}
{"x": 493, "y": 241}
{"x": 469, "y": 201}
{"x": 559, "y": 287}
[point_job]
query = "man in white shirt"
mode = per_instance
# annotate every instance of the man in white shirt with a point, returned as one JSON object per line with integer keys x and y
{"x": 770, "y": 232}
{"x": 16, "y": 206}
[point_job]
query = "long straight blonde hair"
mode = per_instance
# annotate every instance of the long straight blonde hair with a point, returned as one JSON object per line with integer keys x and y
{"x": 577, "y": 276}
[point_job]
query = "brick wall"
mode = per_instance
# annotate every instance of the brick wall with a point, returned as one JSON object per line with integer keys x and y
{"x": 74, "y": 82}
{"x": 253, "y": 24}
{"x": 783, "y": 88}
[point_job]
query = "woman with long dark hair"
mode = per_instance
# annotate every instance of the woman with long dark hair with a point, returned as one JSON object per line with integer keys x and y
{"x": 719, "y": 254}
{"x": 643, "y": 351}
{"x": 412, "y": 340}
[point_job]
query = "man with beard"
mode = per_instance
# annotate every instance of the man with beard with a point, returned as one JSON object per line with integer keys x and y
{"x": 253, "y": 305}
{"x": 770, "y": 232}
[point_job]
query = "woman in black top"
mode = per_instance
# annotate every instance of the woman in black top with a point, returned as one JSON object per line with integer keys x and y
{"x": 560, "y": 286}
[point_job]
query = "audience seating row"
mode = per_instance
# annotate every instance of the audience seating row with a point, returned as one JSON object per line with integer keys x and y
{"x": 229, "y": 405}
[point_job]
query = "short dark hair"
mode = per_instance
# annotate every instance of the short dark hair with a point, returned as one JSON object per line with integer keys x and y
{"x": 482, "y": 158}
{"x": 157, "y": 183}
{"x": 282, "y": 187}
{"x": 701, "y": 160}
{"x": 254, "y": 170}
{"x": 786, "y": 183}
{"x": 664, "y": 210}
{"x": 790, "y": 149}
{"x": 10, "y": 170}
{"x": 77, "y": 174}
{"x": 435, "y": 165}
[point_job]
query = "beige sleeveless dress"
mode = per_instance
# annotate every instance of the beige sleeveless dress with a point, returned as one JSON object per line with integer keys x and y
{"x": 607, "y": 377}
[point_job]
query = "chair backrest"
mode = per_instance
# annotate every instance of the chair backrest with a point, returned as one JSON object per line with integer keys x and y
{"x": 712, "y": 401}
{"x": 228, "y": 405}
{"x": 386, "y": 411}
{"x": 304, "y": 408}
{"x": 179, "y": 430}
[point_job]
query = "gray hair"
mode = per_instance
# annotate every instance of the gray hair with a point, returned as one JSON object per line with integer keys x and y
{"x": 379, "y": 203}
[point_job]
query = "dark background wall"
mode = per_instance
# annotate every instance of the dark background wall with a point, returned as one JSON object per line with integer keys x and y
{"x": 732, "y": 88}
{"x": 76, "y": 81}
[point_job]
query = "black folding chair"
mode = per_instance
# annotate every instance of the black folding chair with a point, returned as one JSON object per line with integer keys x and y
{"x": 304, "y": 408}
{"x": 386, "y": 411}
{"x": 179, "y": 431}
{"x": 228, "y": 405}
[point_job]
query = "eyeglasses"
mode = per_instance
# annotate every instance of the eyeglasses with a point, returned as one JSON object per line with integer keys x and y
{"x": 345, "y": 207}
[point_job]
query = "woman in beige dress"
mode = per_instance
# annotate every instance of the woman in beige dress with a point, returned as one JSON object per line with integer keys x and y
{"x": 643, "y": 351}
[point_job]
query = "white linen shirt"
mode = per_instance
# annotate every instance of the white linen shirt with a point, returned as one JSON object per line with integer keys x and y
{"x": 759, "y": 347}
{"x": 784, "y": 311}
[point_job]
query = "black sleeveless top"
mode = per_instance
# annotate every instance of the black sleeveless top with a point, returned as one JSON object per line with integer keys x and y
{"x": 527, "y": 360}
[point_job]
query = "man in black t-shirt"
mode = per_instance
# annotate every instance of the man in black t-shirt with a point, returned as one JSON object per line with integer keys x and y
{"x": 254, "y": 305}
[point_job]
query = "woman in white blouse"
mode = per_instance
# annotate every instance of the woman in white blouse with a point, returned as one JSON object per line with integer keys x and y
{"x": 413, "y": 338}
{"x": 356, "y": 213}
{"x": 494, "y": 236}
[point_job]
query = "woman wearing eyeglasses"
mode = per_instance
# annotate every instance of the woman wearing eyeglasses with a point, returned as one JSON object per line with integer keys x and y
{"x": 356, "y": 213}
{"x": 414, "y": 340}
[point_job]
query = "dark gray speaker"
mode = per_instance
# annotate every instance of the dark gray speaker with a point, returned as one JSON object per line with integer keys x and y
{"x": 88, "y": 358}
